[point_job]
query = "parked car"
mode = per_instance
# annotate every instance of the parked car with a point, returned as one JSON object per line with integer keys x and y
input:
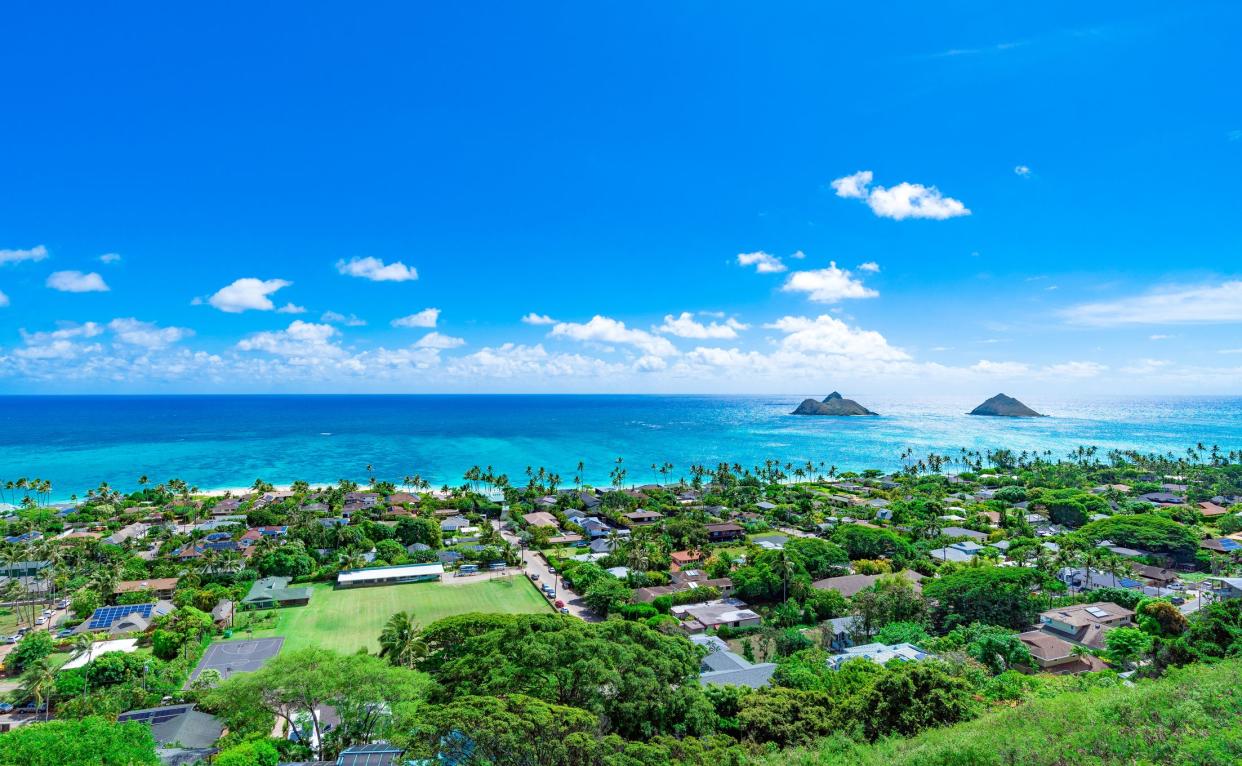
{"x": 41, "y": 621}
{"x": 534, "y": 576}
{"x": 552, "y": 569}
{"x": 64, "y": 633}
{"x": 564, "y": 610}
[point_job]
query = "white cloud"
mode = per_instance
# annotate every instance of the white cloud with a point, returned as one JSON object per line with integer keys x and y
{"x": 437, "y": 340}
{"x": 247, "y": 293}
{"x": 110, "y": 258}
{"x": 1206, "y": 304}
{"x": 603, "y": 329}
{"x": 826, "y": 334}
{"x": 870, "y": 267}
{"x": 1159, "y": 336}
{"x": 685, "y": 326}
{"x": 376, "y": 270}
{"x": 424, "y": 318}
{"x": 537, "y": 319}
{"x": 1145, "y": 367}
{"x": 4, "y": 299}
{"x": 36, "y": 253}
{"x": 302, "y": 340}
{"x": 650, "y": 363}
{"x": 62, "y": 343}
{"x": 763, "y": 262}
{"x": 76, "y": 282}
{"x": 905, "y": 200}
{"x": 148, "y": 335}
{"x": 1074, "y": 370}
{"x": 827, "y": 285}
{"x": 514, "y": 361}
{"x": 290, "y": 308}
{"x": 1000, "y": 369}
{"x": 338, "y": 318}
{"x": 1022, "y": 170}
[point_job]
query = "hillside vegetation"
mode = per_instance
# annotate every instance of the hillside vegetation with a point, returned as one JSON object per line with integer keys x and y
{"x": 1191, "y": 717}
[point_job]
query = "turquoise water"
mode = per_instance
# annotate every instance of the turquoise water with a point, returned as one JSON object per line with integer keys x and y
{"x": 229, "y": 441}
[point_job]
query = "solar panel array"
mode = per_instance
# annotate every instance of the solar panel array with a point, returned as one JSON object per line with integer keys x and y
{"x": 155, "y": 715}
{"x": 104, "y": 616}
{"x": 1230, "y": 545}
{"x": 375, "y": 754}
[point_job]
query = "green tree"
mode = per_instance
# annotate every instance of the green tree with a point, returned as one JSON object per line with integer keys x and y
{"x": 511, "y": 730}
{"x": 400, "y": 641}
{"x": 607, "y": 595}
{"x": 90, "y": 741}
{"x": 891, "y": 599}
{"x": 30, "y": 650}
{"x": 253, "y": 753}
{"x": 989, "y": 595}
{"x": 912, "y": 697}
{"x": 1127, "y": 645}
{"x": 902, "y": 633}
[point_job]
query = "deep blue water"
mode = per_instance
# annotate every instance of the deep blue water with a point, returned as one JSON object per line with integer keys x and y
{"x": 229, "y": 441}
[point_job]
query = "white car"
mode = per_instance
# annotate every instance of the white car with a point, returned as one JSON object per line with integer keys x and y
{"x": 41, "y": 621}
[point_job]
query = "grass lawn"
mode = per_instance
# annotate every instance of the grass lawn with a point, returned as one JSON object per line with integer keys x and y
{"x": 347, "y": 620}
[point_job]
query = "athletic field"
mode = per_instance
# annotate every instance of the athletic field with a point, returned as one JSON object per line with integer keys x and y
{"x": 347, "y": 620}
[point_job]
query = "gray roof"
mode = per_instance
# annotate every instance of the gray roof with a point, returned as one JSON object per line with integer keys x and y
{"x": 722, "y": 667}
{"x": 178, "y": 725}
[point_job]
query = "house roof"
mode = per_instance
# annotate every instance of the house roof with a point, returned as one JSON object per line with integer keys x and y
{"x": 848, "y": 585}
{"x": 135, "y": 586}
{"x": 178, "y": 724}
{"x": 275, "y": 589}
{"x": 540, "y": 519}
{"x": 722, "y": 667}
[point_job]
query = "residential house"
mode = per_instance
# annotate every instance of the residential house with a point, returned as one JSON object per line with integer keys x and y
{"x": 374, "y": 754}
{"x": 849, "y": 585}
{"x": 162, "y": 587}
{"x": 540, "y": 519}
{"x": 725, "y": 531}
{"x": 880, "y": 654}
{"x": 730, "y": 612}
{"x": 271, "y": 592}
{"x": 1157, "y": 576}
{"x": 963, "y": 532}
{"x": 723, "y": 667}
{"x": 1226, "y": 587}
{"x": 1211, "y": 510}
{"x": 182, "y": 734}
{"x": 641, "y": 518}
{"x": 1221, "y": 545}
{"x": 1085, "y": 624}
{"x": 960, "y": 552}
{"x": 454, "y": 524}
{"x": 1056, "y": 655}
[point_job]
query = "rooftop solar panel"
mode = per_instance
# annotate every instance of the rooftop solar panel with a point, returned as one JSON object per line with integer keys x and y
{"x": 105, "y": 616}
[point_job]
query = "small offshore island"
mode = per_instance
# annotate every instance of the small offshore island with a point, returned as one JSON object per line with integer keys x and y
{"x": 833, "y": 405}
{"x": 783, "y": 613}
{"x": 1004, "y": 406}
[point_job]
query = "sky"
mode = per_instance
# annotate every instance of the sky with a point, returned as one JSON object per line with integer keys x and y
{"x": 621, "y": 197}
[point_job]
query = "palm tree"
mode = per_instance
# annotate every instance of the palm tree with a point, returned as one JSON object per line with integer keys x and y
{"x": 38, "y": 683}
{"x": 401, "y": 641}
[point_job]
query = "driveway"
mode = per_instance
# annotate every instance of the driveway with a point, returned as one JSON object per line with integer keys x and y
{"x": 533, "y": 563}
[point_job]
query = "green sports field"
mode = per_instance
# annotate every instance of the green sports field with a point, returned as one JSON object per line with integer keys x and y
{"x": 347, "y": 620}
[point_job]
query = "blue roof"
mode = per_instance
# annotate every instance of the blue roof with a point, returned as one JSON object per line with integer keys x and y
{"x": 1229, "y": 545}
{"x": 105, "y": 616}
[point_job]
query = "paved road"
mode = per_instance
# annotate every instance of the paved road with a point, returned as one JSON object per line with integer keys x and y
{"x": 533, "y": 562}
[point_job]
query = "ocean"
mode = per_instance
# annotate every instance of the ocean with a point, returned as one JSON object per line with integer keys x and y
{"x": 216, "y": 442}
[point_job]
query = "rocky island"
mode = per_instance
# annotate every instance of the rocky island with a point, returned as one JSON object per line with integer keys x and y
{"x": 1002, "y": 406}
{"x": 834, "y": 404}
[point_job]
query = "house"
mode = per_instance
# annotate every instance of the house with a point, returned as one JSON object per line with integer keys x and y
{"x": 730, "y": 612}
{"x": 402, "y": 573}
{"x": 363, "y": 499}
{"x": 884, "y": 514}
{"x": 22, "y": 568}
{"x": 182, "y": 734}
{"x": 162, "y": 587}
{"x": 594, "y": 528}
{"x": 565, "y": 540}
{"x": 273, "y": 592}
{"x": 1162, "y": 498}
{"x": 960, "y": 552}
{"x": 880, "y": 654}
{"x": 963, "y": 532}
{"x": 1055, "y": 655}
{"x": 540, "y": 519}
{"x": 1157, "y": 576}
{"x": 724, "y": 531}
{"x": 840, "y": 629}
{"x": 1221, "y": 545}
{"x": 682, "y": 559}
{"x": 222, "y": 613}
{"x": 454, "y": 524}
{"x": 641, "y": 518}
{"x": 374, "y": 754}
{"x": 764, "y": 505}
{"x": 127, "y": 532}
{"x": 699, "y": 580}
{"x": 226, "y": 507}
{"x": 25, "y": 537}
{"x": 992, "y": 517}
{"x": 1085, "y": 624}
{"x": 401, "y": 498}
{"x": 1226, "y": 587}
{"x": 849, "y": 585}
{"x": 722, "y": 667}
{"x": 1211, "y": 510}
{"x": 126, "y": 618}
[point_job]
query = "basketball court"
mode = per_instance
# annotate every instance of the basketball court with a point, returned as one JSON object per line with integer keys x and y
{"x": 230, "y": 657}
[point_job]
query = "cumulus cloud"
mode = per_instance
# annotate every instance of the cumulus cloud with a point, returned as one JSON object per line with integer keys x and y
{"x": 905, "y": 200}
{"x": 437, "y": 340}
{"x": 605, "y": 330}
{"x": 1145, "y": 366}
{"x": 291, "y": 308}
{"x": 65, "y": 342}
{"x": 147, "y": 335}
{"x": 376, "y": 270}
{"x": 826, "y": 334}
{"x": 828, "y": 285}
{"x": 35, "y": 254}
{"x": 303, "y": 340}
{"x": 515, "y": 361}
{"x": 685, "y": 326}
{"x": 1073, "y": 370}
{"x": 4, "y": 299}
{"x": 1204, "y": 304}
{"x": 77, "y": 282}
{"x": 1000, "y": 369}
{"x": 537, "y": 319}
{"x": 870, "y": 267}
{"x": 1022, "y": 170}
{"x": 110, "y": 258}
{"x": 763, "y": 262}
{"x": 424, "y": 318}
{"x": 246, "y": 294}
{"x": 338, "y": 318}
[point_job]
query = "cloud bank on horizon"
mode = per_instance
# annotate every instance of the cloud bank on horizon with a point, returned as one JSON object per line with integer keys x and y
{"x": 955, "y": 225}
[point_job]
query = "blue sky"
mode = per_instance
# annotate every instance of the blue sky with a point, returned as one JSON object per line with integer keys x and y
{"x": 706, "y": 197}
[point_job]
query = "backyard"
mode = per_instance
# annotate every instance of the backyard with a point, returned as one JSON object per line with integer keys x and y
{"x": 347, "y": 620}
